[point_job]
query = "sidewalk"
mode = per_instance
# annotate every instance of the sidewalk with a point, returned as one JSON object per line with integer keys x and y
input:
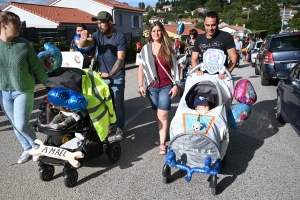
{"x": 39, "y": 89}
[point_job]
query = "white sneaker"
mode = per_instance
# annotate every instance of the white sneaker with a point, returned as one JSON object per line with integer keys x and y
{"x": 24, "y": 157}
{"x": 119, "y": 135}
{"x": 35, "y": 158}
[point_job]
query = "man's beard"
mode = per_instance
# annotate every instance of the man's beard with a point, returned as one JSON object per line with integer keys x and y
{"x": 107, "y": 31}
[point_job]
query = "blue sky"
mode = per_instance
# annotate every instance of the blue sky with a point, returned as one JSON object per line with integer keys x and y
{"x": 133, "y": 3}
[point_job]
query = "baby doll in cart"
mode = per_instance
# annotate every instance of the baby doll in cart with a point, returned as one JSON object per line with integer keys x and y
{"x": 66, "y": 119}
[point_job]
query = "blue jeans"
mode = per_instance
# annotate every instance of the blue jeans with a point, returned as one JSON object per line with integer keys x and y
{"x": 18, "y": 106}
{"x": 118, "y": 89}
{"x": 249, "y": 56}
{"x": 160, "y": 97}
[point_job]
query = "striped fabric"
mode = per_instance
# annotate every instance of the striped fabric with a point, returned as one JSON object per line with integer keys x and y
{"x": 147, "y": 60}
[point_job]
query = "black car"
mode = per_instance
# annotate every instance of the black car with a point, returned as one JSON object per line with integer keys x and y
{"x": 288, "y": 97}
{"x": 277, "y": 53}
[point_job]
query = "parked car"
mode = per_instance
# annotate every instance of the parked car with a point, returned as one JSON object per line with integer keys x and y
{"x": 254, "y": 52}
{"x": 277, "y": 53}
{"x": 288, "y": 97}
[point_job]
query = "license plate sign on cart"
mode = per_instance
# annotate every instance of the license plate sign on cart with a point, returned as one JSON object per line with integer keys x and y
{"x": 289, "y": 65}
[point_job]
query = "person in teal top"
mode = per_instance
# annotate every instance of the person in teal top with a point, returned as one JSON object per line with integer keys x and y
{"x": 19, "y": 66}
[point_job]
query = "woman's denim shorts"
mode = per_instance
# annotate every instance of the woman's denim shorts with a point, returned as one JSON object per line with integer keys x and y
{"x": 160, "y": 97}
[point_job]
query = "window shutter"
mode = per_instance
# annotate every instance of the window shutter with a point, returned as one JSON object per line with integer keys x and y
{"x": 132, "y": 21}
{"x": 140, "y": 21}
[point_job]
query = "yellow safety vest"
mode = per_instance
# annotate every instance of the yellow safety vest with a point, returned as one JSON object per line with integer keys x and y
{"x": 100, "y": 105}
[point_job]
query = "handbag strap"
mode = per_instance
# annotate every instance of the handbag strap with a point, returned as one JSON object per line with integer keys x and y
{"x": 164, "y": 68}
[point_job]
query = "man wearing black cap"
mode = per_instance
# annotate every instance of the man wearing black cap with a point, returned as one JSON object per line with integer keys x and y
{"x": 111, "y": 46}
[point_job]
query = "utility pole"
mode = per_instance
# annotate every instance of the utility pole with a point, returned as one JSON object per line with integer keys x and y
{"x": 282, "y": 18}
{"x": 248, "y": 14}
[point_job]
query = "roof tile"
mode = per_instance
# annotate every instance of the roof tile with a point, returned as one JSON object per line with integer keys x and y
{"x": 111, "y": 3}
{"x": 237, "y": 28}
{"x": 173, "y": 29}
{"x": 55, "y": 14}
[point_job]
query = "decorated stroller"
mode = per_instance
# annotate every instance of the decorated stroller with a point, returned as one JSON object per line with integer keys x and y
{"x": 199, "y": 139}
{"x": 62, "y": 147}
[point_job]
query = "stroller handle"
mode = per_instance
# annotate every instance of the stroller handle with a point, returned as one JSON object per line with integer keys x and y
{"x": 111, "y": 81}
{"x": 226, "y": 71}
{"x": 199, "y": 65}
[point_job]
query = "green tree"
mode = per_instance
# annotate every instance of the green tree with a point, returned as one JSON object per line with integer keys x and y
{"x": 267, "y": 17}
{"x": 211, "y": 3}
{"x": 148, "y": 8}
{"x": 231, "y": 17}
{"x": 200, "y": 25}
{"x": 295, "y": 22}
{"x": 293, "y": 2}
{"x": 141, "y": 5}
{"x": 217, "y": 6}
{"x": 240, "y": 21}
{"x": 240, "y": 3}
{"x": 248, "y": 5}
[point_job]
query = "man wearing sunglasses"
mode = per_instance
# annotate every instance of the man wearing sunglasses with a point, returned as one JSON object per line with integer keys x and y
{"x": 111, "y": 47}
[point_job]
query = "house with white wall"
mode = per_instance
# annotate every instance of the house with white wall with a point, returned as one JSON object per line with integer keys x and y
{"x": 235, "y": 30}
{"x": 166, "y": 8}
{"x": 48, "y": 21}
{"x": 189, "y": 21}
{"x": 154, "y": 19}
{"x": 287, "y": 14}
{"x": 127, "y": 19}
{"x": 41, "y": 16}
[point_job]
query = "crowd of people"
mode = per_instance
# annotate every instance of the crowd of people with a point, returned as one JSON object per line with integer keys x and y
{"x": 158, "y": 71}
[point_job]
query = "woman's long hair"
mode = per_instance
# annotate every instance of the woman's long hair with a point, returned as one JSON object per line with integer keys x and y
{"x": 6, "y": 17}
{"x": 167, "y": 46}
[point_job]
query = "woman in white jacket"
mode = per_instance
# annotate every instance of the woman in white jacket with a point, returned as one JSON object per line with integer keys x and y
{"x": 158, "y": 77}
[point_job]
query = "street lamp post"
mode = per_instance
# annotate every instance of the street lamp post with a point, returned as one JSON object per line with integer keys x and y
{"x": 248, "y": 14}
{"x": 282, "y": 18}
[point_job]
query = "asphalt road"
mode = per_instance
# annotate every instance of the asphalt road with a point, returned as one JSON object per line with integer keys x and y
{"x": 263, "y": 159}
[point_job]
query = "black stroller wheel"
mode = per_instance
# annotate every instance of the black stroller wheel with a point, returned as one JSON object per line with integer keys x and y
{"x": 46, "y": 172}
{"x": 165, "y": 180}
{"x": 213, "y": 184}
{"x": 166, "y": 173}
{"x": 70, "y": 178}
{"x": 114, "y": 152}
{"x": 223, "y": 162}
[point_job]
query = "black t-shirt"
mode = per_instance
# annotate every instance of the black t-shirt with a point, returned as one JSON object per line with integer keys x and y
{"x": 222, "y": 40}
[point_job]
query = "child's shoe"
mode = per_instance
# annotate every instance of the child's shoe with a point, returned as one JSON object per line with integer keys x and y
{"x": 80, "y": 136}
{"x": 57, "y": 126}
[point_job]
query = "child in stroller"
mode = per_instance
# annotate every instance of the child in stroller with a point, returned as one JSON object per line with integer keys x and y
{"x": 61, "y": 146}
{"x": 199, "y": 137}
{"x": 66, "y": 119}
{"x": 201, "y": 103}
